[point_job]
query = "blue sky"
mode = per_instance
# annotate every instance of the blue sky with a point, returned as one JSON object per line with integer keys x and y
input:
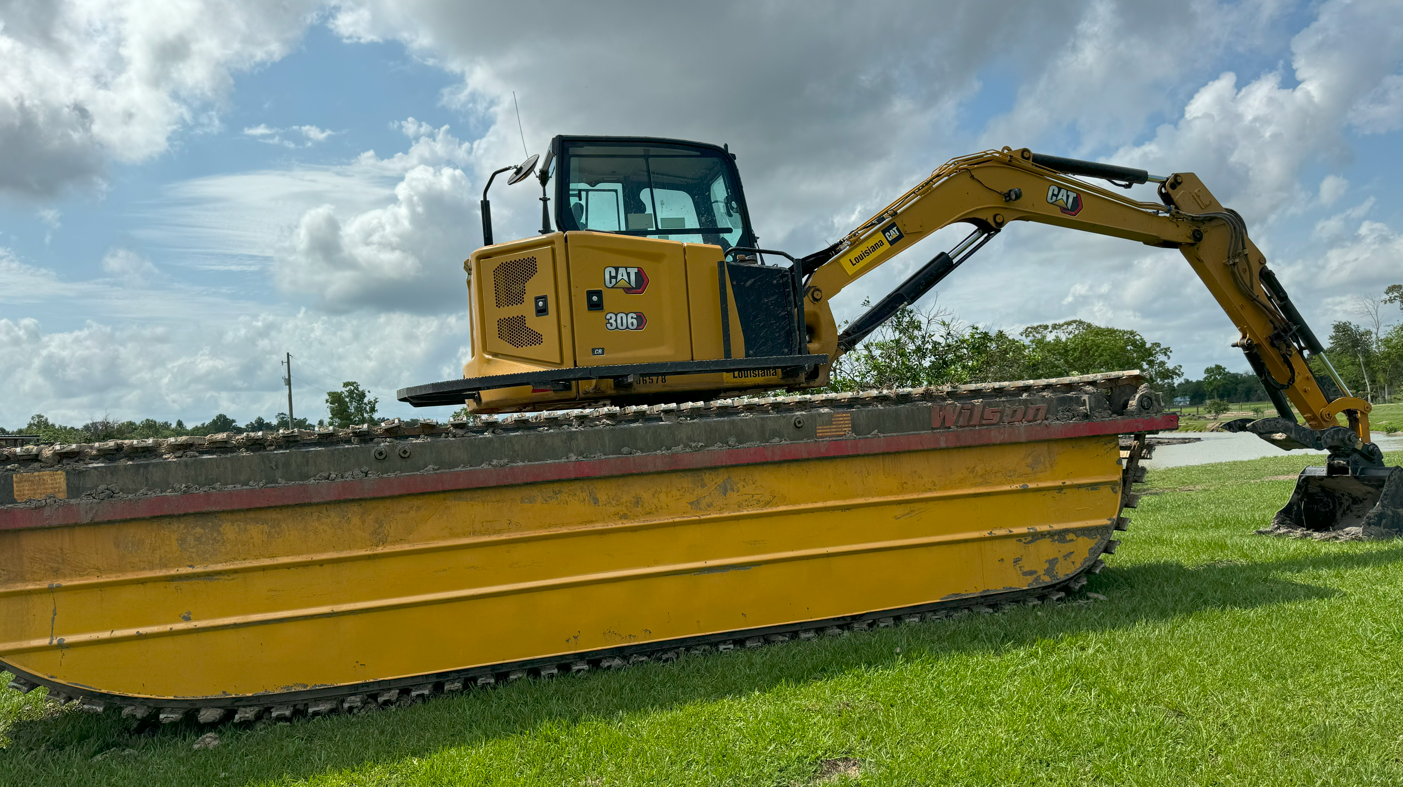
{"x": 192, "y": 191}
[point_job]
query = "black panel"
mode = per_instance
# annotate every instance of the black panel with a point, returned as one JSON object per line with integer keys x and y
{"x": 764, "y": 300}
{"x": 594, "y": 300}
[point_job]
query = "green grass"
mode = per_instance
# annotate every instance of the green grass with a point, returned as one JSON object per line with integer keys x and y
{"x": 1221, "y": 658}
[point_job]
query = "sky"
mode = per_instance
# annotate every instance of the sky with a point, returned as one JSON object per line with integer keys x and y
{"x": 191, "y": 189}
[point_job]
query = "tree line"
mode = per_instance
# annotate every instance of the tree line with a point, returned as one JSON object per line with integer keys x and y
{"x": 350, "y": 406}
{"x": 933, "y": 347}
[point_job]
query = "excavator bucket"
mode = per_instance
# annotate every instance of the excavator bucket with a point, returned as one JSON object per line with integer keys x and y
{"x": 1364, "y": 504}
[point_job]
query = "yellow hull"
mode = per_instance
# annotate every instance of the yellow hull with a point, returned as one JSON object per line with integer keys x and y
{"x": 280, "y": 571}
{"x": 286, "y": 598}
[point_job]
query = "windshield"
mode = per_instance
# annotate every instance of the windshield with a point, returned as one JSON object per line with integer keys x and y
{"x": 659, "y": 191}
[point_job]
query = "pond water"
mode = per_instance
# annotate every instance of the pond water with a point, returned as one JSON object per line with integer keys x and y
{"x": 1226, "y": 447}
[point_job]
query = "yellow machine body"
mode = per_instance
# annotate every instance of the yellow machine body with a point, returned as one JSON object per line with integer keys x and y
{"x": 670, "y": 313}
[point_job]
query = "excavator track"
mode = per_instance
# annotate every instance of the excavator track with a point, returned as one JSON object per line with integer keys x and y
{"x": 1123, "y": 393}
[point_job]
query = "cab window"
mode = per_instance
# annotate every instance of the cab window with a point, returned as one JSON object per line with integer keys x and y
{"x": 660, "y": 191}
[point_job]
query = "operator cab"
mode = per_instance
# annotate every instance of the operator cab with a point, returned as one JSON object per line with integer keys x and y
{"x": 645, "y": 187}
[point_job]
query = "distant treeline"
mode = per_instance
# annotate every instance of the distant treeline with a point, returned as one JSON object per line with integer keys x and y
{"x": 348, "y": 406}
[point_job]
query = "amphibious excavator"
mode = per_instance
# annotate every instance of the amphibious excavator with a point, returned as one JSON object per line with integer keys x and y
{"x": 650, "y": 466}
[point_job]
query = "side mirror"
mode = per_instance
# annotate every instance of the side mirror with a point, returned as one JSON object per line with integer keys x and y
{"x": 519, "y": 173}
{"x": 523, "y": 170}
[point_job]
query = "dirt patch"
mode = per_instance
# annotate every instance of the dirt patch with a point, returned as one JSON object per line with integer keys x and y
{"x": 838, "y": 769}
{"x": 1343, "y": 534}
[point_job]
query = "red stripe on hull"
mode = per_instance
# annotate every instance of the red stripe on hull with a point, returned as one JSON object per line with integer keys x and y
{"x": 76, "y": 512}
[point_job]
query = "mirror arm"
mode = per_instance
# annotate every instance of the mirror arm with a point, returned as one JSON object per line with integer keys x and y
{"x": 545, "y": 202}
{"x": 487, "y": 208}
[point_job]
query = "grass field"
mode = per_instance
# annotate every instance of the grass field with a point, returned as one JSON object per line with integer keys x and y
{"x": 1220, "y": 658}
{"x": 1387, "y": 418}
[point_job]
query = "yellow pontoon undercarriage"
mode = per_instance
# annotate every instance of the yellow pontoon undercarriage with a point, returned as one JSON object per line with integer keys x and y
{"x": 431, "y": 559}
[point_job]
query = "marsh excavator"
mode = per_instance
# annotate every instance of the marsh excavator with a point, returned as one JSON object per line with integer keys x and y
{"x": 651, "y": 465}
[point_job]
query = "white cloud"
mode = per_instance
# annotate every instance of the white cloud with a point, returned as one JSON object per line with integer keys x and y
{"x": 129, "y": 266}
{"x": 1382, "y": 109}
{"x": 1339, "y": 224}
{"x": 1255, "y": 139}
{"x": 194, "y": 371}
{"x": 1332, "y": 187}
{"x": 86, "y": 81}
{"x": 396, "y": 257}
{"x": 311, "y": 135}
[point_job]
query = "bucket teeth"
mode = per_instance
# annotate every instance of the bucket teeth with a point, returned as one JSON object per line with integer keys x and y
{"x": 281, "y": 713}
{"x": 754, "y": 642}
{"x": 910, "y": 619}
{"x": 579, "y": 667}
{"x": 244, "y": 715}
{"x": 1076, "y": 584}
{"x": 1111, "y": 547}
{"x": 1122, "y": 523}
{"x": 1096, "y": 568}
{"x": 1132, "y": 500}
{"x": 808, "y": 634}
{"x": 776, "y": 638}
{"x": 885, "y": 623}
{"x": 613, "y": 662}
{"x": 725, "y": 647}
{"x": 483, "y": 681}
{"x": 451, "y": 686}
{"x": 22, "y": 686}
{"x": 210, "y": 715}
{"x": 834, "y": 631}
{"x": 171, "y": 715}
{"x": 549, "y": 672}
{"x": 514, "y": 675}
{"x": 93, "y": 706}
{"x": 860, "y": 625}
{"x": 637, "y": 658}
{"x": 387, "y": 697}
{"x": 423, "y": 692}
{"x": 1136, "y": 474}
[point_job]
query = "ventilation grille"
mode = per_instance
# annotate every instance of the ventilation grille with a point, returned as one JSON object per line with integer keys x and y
{"x": 509, "y": 280}
{"x": 515, "y": 331}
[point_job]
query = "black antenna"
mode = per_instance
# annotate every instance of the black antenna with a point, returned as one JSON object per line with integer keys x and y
{"x": 518, "y": 124}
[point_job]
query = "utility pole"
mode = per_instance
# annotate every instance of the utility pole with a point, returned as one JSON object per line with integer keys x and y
{"x": 291, "y": 422}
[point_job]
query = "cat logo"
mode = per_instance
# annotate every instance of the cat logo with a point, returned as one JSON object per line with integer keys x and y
{"x": 631, "y": 280}
{"x": 1068, "y": 201}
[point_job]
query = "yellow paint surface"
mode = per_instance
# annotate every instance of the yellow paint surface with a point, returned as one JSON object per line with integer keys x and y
{"x": 395, "y": 587}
